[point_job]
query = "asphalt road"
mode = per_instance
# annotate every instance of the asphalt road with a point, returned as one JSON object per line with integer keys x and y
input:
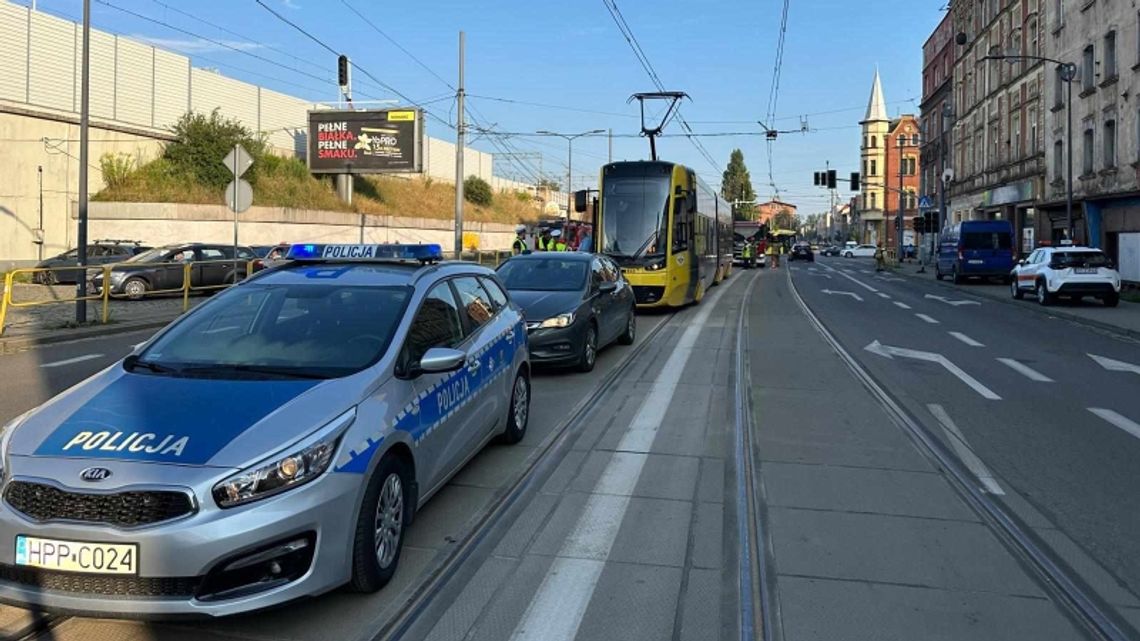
{"x": 34, "y": 376}
{"x": 1048, "y": 426}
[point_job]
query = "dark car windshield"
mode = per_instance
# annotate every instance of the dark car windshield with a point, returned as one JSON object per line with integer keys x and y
{"x": 296, "y": 330}
{"x": 635, "y": 215}
{"x": 1080, "y": 259}
{"x": 544, "y": 274}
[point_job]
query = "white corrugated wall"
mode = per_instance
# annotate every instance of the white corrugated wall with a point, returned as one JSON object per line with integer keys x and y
{"x": 171, "y": 88}
{"x": 134, "y": 82}
{"x": 52, "y": 60}
{"x": 14, "y": 52}
{"x": 284, "y": 121}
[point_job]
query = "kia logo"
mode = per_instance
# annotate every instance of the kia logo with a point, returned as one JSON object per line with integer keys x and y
{"x": 93, "y": 474}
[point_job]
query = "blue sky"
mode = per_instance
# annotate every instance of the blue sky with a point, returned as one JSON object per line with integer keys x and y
{"x": 570, "y": 53}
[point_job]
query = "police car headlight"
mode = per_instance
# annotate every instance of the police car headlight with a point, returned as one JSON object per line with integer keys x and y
{"x": 561, "y": 320}
{"x": 304, "y": 463}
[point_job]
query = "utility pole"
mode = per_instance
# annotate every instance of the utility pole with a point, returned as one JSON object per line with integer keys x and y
{"x": 569, "y": 138}
{"x": 40, "y": 176}
{"x": 84, "y": 115}
{"x": 899, "y": 217}
{"x": 459, "y": 148}
{"x": 611, "y": 136}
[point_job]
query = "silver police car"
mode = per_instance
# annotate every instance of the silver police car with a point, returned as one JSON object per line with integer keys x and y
{"x": 272, "y": 444}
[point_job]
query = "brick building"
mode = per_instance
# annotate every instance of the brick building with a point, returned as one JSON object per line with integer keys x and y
{"x": 889, "y": 152}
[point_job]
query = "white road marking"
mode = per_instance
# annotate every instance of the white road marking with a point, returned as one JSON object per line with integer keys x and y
{"x": 851, "y": 294}
{"x": 1025, "y": 370}
{"x": 890, "y": 279}
{"x": 882, "y": 295}
{"x": 864, "y": 271}
{"x": 952, "y": 302}
{"x": 964, "y": 451}
{"x": 858, "y": 282}
{"x": 1115, "y": 365}
{"x": 966, "y": 339}
{"x": 901, "y": 305}
{"x": 888, "y": 351}
{"x": 556, "y": 611}
{"x": 71, "y": 361}
{"x": 927, "y": 319}
{"x": 1122, "y": 422}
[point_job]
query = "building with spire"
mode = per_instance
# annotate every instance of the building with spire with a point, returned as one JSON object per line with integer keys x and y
{"x": 889, "y": 155}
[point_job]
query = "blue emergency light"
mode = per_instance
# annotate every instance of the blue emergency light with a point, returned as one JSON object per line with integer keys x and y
{"x": 366, "y": 253}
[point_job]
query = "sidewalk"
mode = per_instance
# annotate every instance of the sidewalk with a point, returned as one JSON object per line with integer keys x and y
{"x": 867, "y": 540}
{"x": 1125, "y": 318}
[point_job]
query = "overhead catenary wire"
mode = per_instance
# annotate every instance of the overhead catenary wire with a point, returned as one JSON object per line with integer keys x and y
{"x": 397, "y": 44}
{"x": 773, "y": 96}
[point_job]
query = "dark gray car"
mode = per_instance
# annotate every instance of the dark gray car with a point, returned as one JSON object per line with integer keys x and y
{"x": 574, "y": 304}
{"x": 100, "y": 252}
{"x": 162, "y": 269}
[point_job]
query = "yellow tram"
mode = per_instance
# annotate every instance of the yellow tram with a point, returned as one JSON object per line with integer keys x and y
{"x": 670, "y": 232}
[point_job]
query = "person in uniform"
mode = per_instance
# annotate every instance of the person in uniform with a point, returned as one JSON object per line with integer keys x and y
{"x": 557, "y": 243}
{"x": 519, "y": 245}
{"x": 545, "y": 242}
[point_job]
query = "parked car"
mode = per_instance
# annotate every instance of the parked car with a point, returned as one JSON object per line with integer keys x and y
{"x": 976, "y": 248}
{"x": 161, "y": 269}
{"x": 100, "y": 252}
{"x": 859, "y": 251}
{"x": 574, "y": 305}
{"x": 801, "y": 251}
{"x": 830, "y": 250}
{"x": 272, "y": 257}
{"x": 1069, "y": 271}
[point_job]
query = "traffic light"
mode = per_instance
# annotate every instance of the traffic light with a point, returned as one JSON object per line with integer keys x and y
{"x": 342, "y": 70}
{"x": 854, "y": 181}
{"x": 930, "y": 221}
{"x": 918, "y": 224}
{"x": 817, "y": 179}
{"x": 831, "y": 179}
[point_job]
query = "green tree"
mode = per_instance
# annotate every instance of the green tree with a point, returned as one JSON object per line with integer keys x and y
{"x": 736, "y": 184}
{"x": 201, "y": 142}
{"x": 785, "y": 219}
{"x": 550, "y": 183}
{"x": 477, "y": 191}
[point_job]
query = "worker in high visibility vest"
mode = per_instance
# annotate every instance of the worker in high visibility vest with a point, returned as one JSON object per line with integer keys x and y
{"x": 519, "y": 246}
{"x": 558, "y": 244}
{"x": 544, "y": 242}
{"x": 746, "y": 254}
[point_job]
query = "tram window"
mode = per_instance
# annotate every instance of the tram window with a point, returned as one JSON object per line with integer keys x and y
{"x": 682, "y": 228}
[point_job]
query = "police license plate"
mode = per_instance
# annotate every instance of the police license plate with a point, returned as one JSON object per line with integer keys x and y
{"x": 975, "y": 262}
{"x": 1085, "y": 270}
{"x": 77, "y": 556}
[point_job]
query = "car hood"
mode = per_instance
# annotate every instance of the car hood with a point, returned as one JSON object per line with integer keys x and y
{"x": 540, "y": 305}
{"x": 119, "y": 415}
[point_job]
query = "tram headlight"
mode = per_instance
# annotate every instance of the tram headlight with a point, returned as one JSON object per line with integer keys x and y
{"x": 655, "y": 265}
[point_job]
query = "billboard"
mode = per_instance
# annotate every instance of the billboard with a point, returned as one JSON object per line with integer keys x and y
{"x": 375, "y": 141}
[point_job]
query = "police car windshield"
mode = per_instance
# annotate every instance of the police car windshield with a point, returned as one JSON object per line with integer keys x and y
{"x": 287, "y": 330}
{"x": 544, "y": 274}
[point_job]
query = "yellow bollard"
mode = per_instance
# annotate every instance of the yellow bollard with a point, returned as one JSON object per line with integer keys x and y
{"x": 7, "y": 299}
{"x": 185, "y": 287}
{"x": 106, "y": 293}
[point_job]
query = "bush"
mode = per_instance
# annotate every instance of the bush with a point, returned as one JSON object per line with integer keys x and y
{"x": 203, "y": 141}
{"x": 477, "y": 191}
{"x": 116, "y": 169}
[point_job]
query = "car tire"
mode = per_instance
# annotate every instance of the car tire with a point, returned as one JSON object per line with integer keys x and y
{"x": 47, "y": 278}
{"x": 958, "y": 279}
{"x": 1112, "y": 300}
{"x": 630, "y": 334}
{"x": 589, "y": 355}
{"x": 388, "y": 491}
{"x": 848, "y": 255}
{"x": 518, "y": 412}
{"x": 1044, "y": 298}
{"x": 1014, "y": 290}
{"x": 135, "y": 288}
{"x": 938, "y": 273}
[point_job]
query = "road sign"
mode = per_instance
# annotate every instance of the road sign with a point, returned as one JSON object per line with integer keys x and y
{"x": 925, "y": 202}
{"x": 238, "y": 161}
{"x": 239, "y": 195}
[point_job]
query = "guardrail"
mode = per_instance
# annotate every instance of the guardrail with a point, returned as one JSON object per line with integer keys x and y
{"x": 104, "y": 287}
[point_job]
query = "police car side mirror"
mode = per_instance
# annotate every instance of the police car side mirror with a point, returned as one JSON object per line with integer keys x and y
{"x": 607, "y": 287}
{"x": 1021, "y": 262}
{"x": 441, "y": 359}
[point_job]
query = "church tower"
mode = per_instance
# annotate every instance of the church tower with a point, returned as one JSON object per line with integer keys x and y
{"x": 872, "y": 196}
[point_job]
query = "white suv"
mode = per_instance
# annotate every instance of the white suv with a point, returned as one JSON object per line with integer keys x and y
{"x": 1075, "y": 272}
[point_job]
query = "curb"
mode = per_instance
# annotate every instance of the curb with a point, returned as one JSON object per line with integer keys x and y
{"x": 12, "y": 344}
{"x": 1044, "y": 311}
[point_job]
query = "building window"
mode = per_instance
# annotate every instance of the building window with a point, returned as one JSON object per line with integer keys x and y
{"x": 874, "y": 168}
{"x": 1088, "y": 69}
{"x": 1033, "y": 131}
{"x": 865, "y": 168}
{"x": 1109, "y": 143}
{"x": 1059, "y": 11}
{"x": 1015, "y": 135}
{"x": 874, "y": 199}
{"x": 1058, "y": 160}
{"x": 1110, "y": 55}
{"x": 902, "y": 141}
{"x": 914, "y": 140}
{"x": 874, "y": 142}
{"x": 1058, "y": 89}
{"x": 1033, "y": 51}
{"x": 1087, "y": 141}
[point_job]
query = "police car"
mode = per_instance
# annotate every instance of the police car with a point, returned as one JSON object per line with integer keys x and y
{"x": 274, "y": 443}
{"x": 1067, "y": 270}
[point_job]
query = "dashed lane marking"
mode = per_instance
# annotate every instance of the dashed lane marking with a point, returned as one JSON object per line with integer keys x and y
{"x": 72, "y": 361}
{"x": 928, "y": 319}
{"x": 1123, "y": 422}
{"x": 966, "y": 339}
{"x": 1025, "y": 370}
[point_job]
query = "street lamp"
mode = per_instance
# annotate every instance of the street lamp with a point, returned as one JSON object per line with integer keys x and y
{"x": 570, "y": 161}
{"x": 1067, "y": 73}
